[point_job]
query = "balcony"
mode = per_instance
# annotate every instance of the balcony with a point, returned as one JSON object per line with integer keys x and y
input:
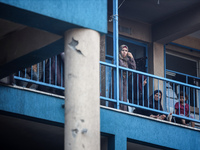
{"x": 45, "y": 82}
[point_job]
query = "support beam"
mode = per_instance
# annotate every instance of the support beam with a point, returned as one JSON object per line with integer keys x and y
{"x": 177, "y": 26}
{"x": 82, "y": 110}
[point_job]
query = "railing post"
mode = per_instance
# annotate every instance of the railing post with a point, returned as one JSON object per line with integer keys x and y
{"x": 116, "y": 50}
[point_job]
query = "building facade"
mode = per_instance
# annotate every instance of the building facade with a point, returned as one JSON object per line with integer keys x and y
{"x": 70, "y": 94}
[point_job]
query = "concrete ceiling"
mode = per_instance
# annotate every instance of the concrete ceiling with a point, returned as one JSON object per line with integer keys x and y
{"x": 153, "y": 11}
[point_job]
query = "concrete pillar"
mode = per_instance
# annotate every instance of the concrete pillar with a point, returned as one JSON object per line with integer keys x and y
{"x": 158, "y": 65}
{"x": 82, "y": 110}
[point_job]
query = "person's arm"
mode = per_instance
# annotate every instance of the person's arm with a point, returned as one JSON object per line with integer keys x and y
{"x": 131, "y": 62}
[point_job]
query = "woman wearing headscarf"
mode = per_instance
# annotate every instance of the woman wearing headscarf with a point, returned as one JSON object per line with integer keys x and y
{"x": 155, "y": 103}
{"x": 126, "y": 60}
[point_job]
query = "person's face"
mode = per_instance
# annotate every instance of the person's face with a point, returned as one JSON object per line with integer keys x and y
{"x": 124, "y": 52}
{"x": 157, "y": 96}
{"x": 182, "y": 99}
{"x": 144, "y": 82}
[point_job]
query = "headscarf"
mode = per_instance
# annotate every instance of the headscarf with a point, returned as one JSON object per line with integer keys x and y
{"x": 120, "y": 49}
{"x": 156, "y": 103}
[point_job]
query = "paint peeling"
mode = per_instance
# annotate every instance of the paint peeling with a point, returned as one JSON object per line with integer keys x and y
{"x": 73, "y": 45}
{"x": 84, "y": 131}
{"x": 74, "y": 132}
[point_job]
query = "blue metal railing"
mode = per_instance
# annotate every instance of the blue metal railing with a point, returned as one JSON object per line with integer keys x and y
{"x": 168, "y": 86}
{"x": 47, "y": 74}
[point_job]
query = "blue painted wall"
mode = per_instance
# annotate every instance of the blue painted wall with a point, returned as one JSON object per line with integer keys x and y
{"x": 85, "y": 13}
{"x": 125, "y": 126}
{"x": 31, "y": 104}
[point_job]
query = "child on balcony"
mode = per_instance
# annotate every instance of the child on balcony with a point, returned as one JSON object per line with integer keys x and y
{"x": 184, "y": 107}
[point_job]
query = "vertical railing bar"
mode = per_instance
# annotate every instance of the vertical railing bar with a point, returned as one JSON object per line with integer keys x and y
{"x": 115, "y": 47}
{"x": 137, "y": 89}
{"x": 159, "y": 99}
{"x": 142, "y": 90}
{"x": 99, "y": 81}
{"x": 169, "y": 97}
{"x": 179, "y": 98}
{"x": 56, "y": 70}
{"x": 31, "y": 72}
{"x": 148, "y": 90}
{"x": 38, "y": 71}
{"x": 199, "y": 103}
{"x": 49, "y": 70}
{"x": 61, "y": 70}
{"x": 122, "y": 80}
{"x": 189, "y": 99}
{"x": 43, "y": 70}
{"x": 184, "y": 98}
{"x": 173, "y": 97}
{"x": 132, "y": 88}
{"x": 126, "y": 85}
{"x": 25, "y": 73}
{"x": 194, "y": 100}
{"x": 153, "y": 94}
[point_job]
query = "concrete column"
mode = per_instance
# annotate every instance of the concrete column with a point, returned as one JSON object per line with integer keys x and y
{"x": 82, "y": 110}
{"x": 158, "y": 65}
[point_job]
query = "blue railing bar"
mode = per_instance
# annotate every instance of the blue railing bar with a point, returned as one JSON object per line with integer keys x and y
{"x": 115, "y": 47}
{"x": 127, "y": 85}
{"x": 56, "y": 70}
{"x": 199, "y": 106}
{"x": 179, "y": 97}
{"x": 43, "y": 71}
{"x": 182, "y": 74}
{"x": 187, "y": 47}
{"x": 189, "y": 99}
{"x": 38, "y": 71}
{"x": 107, "y": 64}
{"x": 153, "y": 93}
{"x": 173, "y": 95}
{"x": 109, "y": 56}
{"x": 31, "y": 72}
{"x": 158, "y": 101}
{"x": 108, "y": 99}
{"x": 165, "y": 61}
{"x": 184, "y": 98}
{"x": 132, "y": 78}
{"x": 148, "y": 90}
{"x": 49, "y": 70}
{"x": 38, "y": 82}
{"x": 142, "y": 91}
{"x": 25, "y": 73}
{"x": 194, "y": 101}
{"x": 137, "y": 89}
{"x": 62, "y": 65}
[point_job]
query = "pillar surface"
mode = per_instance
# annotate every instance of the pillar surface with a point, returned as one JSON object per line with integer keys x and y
{"x": 82, "y": 111}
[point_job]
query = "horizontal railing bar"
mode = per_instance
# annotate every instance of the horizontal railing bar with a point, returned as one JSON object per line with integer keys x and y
{"x": 38, "y": 82}
{"x": 182, "y": 74}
